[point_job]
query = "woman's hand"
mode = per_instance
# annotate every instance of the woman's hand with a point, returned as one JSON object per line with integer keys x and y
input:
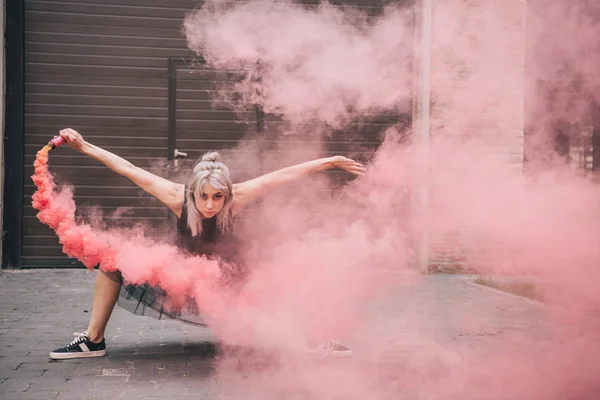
{"x": 348, "y": 165}
{"x": 74, "y": 139}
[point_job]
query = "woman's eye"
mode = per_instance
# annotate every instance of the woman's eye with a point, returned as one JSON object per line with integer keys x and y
{"x": 204, "y": 197}
{"x": 218, "y": 197}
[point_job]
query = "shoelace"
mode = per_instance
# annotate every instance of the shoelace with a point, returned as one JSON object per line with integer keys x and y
{"x": 78, "y": 340}
{"x": 328, "y": 347}
{"x": 78, "y": 334}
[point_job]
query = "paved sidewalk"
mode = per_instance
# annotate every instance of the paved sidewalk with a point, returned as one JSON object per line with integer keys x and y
{"x": 164, "y": 359}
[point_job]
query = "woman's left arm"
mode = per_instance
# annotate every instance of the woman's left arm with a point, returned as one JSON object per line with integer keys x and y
{"x": 248, "y": 191}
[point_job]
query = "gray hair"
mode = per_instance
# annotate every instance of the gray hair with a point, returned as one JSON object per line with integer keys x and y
{"x": 209, "y": 170}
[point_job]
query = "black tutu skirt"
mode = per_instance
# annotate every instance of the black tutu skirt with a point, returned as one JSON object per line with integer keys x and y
{"x": 152, "y": 301}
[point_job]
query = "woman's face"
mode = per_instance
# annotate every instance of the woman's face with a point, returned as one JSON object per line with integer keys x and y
{"x": 210, "y": 201}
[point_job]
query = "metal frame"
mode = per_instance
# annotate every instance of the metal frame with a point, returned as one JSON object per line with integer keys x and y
{"x": 173, "y": 63}
{"x": 14, "y": 144}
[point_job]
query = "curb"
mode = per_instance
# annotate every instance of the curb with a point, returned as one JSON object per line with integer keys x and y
{"x": 508, "y": 294}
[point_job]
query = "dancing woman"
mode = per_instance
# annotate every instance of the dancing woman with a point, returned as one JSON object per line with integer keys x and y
{"x": 205, "y": 208}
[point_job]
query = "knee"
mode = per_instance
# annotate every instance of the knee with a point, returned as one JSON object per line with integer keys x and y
{"x": 113, "y": 276}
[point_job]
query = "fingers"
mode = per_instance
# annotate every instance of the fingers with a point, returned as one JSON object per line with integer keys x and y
{"x": 73, "y": 138}
{"x": 357, "y": 165}
{"x": 350, "y": 165}
{"x": 70, "y": 135}
{"x": 66, "y": 133}
{"x": 69, "y": 131}
{"x": 347, "y": 161}
{"x": 355, "y": 168}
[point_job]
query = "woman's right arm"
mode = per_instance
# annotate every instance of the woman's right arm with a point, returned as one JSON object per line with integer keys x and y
{"x": 169, "y": 193}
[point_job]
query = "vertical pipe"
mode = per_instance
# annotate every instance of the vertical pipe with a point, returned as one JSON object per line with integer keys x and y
{"x": 424, "y": 127}
{"x": 13, "y": 146}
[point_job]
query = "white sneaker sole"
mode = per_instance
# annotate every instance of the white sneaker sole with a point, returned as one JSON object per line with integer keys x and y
{"x": 333, "y": 354}
{"x": 340, "y": 354}
{"x": 83, "y": 354}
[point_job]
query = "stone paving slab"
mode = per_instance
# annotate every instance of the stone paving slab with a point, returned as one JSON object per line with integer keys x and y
{"x": 39, "y": 309}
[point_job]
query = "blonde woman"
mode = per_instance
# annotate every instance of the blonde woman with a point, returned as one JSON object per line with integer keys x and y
{"x": 205, "y": 208}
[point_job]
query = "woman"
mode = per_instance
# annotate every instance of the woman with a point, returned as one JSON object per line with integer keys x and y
{"x": 205, "y": 209}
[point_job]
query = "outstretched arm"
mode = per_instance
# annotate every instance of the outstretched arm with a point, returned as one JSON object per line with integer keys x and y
{"x": 169, "y": 193}
{"x": 248, "y": 191}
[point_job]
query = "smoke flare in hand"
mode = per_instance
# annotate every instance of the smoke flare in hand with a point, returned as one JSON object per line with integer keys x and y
{"x": 139, "y": 259}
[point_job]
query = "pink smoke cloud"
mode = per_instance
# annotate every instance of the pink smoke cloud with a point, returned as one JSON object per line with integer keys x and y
{"x": 308, "y": 63}
{"x": 322, "y": 255}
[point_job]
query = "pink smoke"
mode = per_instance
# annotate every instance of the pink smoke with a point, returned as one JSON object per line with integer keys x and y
{"x": 139, "y": 259}
{"x": 323, "y": 257}
{"x": 321, "y": 63}
{"x": 292, "y": 295}
{"x": 490, "y": 119}
{"x": 562, "y": 69}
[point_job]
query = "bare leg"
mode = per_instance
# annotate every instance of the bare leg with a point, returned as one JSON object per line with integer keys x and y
{"x": 106, "y": 293}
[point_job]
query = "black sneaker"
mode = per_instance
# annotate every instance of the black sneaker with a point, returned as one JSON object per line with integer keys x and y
{"x": 81, "y": 347}
{"x": 331, "y": 348}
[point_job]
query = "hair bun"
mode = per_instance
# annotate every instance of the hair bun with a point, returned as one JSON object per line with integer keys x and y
{"x": 211, "y": 162}
{"x": 213, "y": 156}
